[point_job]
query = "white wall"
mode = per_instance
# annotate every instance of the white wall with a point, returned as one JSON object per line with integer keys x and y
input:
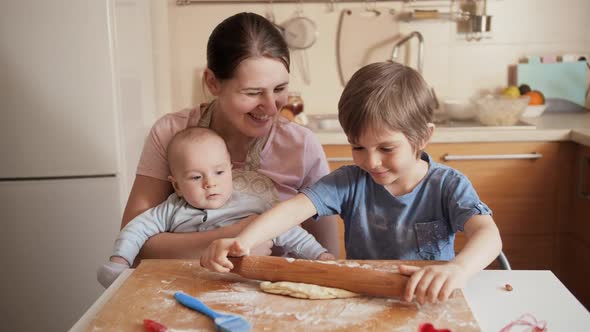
{"x": 134, "y": 81}
{"x": 454, "y": 66}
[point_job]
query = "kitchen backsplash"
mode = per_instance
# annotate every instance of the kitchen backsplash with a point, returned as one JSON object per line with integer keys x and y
{"x": 457, "y": 68}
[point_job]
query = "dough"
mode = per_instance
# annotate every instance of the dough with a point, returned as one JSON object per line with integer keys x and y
{"x": 305, "y": 291}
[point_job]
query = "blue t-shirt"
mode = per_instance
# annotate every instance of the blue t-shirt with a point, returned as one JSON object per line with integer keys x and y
{"x": 419, "y": 225}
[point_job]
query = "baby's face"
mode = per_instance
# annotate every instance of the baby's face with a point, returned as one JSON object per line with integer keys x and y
{"x": 202, "y": 173}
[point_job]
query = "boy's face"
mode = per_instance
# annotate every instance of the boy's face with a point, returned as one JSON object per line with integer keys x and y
{"x": 201, "y": 173}
{"x": 388, "y": 157}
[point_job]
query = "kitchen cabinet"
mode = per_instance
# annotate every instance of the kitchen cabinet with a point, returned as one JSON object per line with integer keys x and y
{"x": 523, "y": 193}
{"x": 575, "y": 238}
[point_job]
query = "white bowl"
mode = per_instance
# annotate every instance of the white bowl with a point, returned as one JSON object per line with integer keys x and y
{"x": 458, "y": 109}
{"x": 533, "y": 111}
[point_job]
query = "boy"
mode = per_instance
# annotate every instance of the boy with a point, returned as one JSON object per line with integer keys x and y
{"x": 203, "y": 200}
{"x": 396, "y": 202}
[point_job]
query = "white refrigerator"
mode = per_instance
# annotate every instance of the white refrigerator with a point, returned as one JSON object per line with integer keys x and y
{"x": 60, "y": 174}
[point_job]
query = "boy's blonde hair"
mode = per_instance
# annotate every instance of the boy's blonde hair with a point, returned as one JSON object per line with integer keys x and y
{"x": 387, "y": 95}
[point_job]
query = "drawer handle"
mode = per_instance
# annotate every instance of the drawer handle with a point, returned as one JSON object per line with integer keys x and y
{"x": 534, "y": 155}
{"x": 339, "y": 159}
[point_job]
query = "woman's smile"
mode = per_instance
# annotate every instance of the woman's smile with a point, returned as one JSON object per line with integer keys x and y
{"x": 261, "y": 118}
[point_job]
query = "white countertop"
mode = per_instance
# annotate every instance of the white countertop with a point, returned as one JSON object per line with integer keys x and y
{"x": 548, "y": 127}
{"x": 538, "y": 293}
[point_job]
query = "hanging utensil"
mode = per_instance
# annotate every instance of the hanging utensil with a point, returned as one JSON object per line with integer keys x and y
{"x": 300, "y": 32}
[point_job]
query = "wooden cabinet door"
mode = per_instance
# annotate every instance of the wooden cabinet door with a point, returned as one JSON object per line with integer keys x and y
{"x": 576, "y": 235}
{"x": 517, "y": 181}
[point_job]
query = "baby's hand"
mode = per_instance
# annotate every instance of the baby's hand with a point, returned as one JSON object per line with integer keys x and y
{"x": 215, "y": 256}
{"x": 326, "y": 256}
{"x": 433, "y": 282}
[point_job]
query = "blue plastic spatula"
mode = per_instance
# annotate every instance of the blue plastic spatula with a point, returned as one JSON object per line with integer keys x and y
{"x": 223, "y": 322}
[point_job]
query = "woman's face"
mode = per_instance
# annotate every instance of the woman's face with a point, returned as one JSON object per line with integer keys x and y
{"x": 253, "y": 98}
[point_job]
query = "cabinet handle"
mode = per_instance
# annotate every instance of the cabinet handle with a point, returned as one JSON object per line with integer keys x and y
{"x": 339, "y": 159}
{"x": 534, "y": 155}
{"x": 583, "y": 187}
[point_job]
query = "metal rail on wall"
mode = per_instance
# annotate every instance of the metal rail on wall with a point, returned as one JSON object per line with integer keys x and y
{"x": 189, "y": 2}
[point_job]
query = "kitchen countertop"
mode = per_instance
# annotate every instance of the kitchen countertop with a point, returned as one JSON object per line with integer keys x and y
{"x": 548, "y": 127}
{"x": 547, "y": 299}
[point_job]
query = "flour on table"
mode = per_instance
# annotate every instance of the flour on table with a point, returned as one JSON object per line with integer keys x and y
{"x": 305, "y": 291}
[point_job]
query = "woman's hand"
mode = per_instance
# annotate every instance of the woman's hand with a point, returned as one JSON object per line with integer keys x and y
{"x": 433, "y": 282}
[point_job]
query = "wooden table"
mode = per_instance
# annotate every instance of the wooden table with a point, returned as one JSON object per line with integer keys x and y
{"x": 536, "y": 292}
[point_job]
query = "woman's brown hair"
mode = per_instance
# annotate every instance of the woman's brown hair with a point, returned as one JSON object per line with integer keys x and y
{"x": 240, "y": 37}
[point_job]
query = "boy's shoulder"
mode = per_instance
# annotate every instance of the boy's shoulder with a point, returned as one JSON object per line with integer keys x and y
{"x": 348, "y": 169}
{"x": 347, "y": 174}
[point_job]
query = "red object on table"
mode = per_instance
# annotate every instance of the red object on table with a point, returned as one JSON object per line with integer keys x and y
{"x": 427, "y": 327}
{"x": 153, "y": 326}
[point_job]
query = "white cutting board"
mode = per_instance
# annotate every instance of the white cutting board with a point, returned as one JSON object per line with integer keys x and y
{"x": 363, "y": 39}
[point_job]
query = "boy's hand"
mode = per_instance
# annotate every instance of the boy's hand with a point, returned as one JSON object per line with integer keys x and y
{"x": 236, "y": 250}
{"x": 326, "y": 256}
{"x": 215, "y": 256}
{"x": 432, "y": 282}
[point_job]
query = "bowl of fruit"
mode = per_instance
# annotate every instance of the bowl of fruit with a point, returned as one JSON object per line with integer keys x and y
{"x": 537, "y": 104}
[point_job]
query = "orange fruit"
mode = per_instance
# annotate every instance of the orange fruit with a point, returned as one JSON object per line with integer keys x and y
{"x": 535, "y": 97}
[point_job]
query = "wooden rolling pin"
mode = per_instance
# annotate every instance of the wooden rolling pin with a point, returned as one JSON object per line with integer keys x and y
{"x": 359, "y": 279}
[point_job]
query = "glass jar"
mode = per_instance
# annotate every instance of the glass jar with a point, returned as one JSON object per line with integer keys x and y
{"x": 294, "y": 103}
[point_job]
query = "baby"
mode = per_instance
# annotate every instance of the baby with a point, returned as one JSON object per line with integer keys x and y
{"x": 201, "y": 174}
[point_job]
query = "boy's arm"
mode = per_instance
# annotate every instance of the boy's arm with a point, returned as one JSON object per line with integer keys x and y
{"x": 273, "y": 222}
{"x": 277, "y": 220}
{"x": 483, "y": 244}
{"x": 437, "y": 282}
